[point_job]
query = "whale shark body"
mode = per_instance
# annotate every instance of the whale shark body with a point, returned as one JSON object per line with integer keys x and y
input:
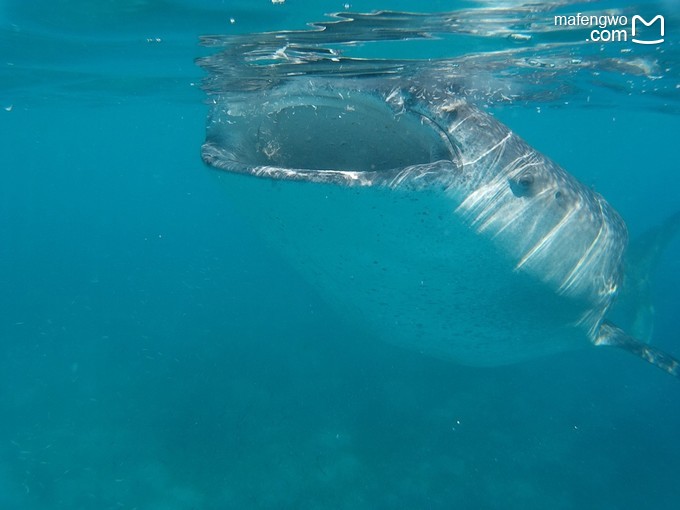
{"x": 421, "y": 218}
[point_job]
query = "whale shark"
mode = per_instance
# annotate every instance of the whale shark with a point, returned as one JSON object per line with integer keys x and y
{"x": 420, "y": 217}
{"x": 429, "y": 223}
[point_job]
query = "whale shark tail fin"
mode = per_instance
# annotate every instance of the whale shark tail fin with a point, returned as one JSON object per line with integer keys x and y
{"x": 611, "y": 335}
{"x": 634, "y": 304}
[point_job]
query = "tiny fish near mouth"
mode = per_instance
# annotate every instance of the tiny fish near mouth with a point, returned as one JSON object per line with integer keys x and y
{"x": 420, "y": 217}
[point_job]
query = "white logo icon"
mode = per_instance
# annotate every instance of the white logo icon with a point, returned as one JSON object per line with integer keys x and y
{"x": 648, "y": 24}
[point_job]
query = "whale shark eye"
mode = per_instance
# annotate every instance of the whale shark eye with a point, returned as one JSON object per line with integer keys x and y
{"x": 526, "y": 180}
{"x": 522, "y": 186}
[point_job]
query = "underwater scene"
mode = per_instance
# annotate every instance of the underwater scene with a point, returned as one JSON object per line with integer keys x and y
{"x": 297, "y": 254}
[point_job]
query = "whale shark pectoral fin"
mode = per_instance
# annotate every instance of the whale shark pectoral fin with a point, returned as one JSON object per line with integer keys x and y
{"x": 610, "y": 334}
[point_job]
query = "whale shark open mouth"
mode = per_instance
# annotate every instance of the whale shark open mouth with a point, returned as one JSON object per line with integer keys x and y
{"x": 327, "y": 134}
{"x": 414, "y": 212}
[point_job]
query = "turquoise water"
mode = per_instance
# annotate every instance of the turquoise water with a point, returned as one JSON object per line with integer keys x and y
{"x": 155, "y": 354}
